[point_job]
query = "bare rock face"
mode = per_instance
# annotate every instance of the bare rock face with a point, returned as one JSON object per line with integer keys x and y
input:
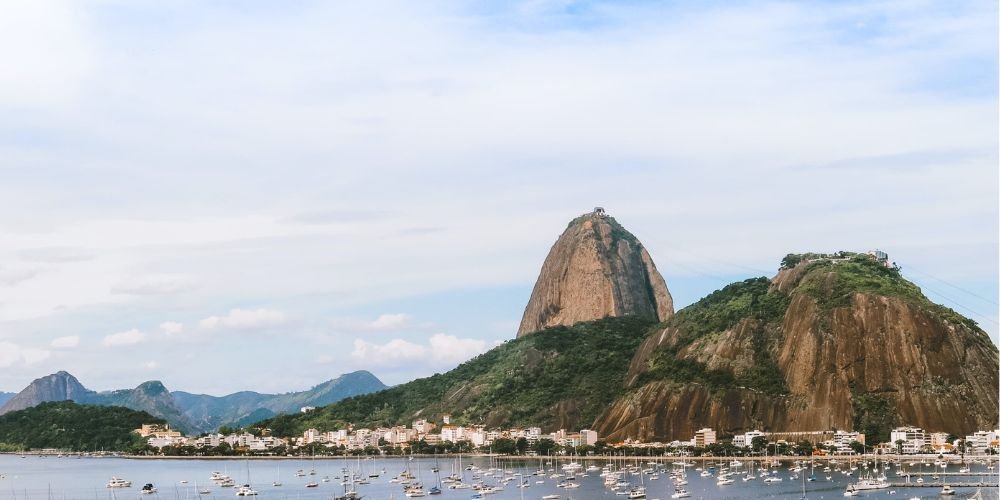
{"x": 836, "y": 362}
{"x": 596, "y": 269}
{"x": 59, "y": 386}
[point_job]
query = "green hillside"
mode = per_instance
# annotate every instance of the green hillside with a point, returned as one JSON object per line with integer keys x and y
{"x": 70, "y": 426}
{"x": 726, "y": 361}
{"x": 738, "y": 348}
{"x": 559, "y": 377}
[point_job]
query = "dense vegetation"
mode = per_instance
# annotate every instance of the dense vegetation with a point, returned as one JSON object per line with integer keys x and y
{"x": 750, "y": 299}
{"x": 69, "y": 426}
{"x": 570, "y": 371}
{"x": 874, "y": 415}
{"x": 834, "y": 282}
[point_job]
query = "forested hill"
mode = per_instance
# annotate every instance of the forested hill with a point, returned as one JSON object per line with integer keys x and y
{"x": 66, "y": 425}
{"x": 560, "y": 377}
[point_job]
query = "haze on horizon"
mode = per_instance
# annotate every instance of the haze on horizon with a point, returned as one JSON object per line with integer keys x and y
{"x": 248, "y": 195}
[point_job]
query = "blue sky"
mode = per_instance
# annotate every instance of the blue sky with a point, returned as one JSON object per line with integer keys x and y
{"x": 259, "y": 195}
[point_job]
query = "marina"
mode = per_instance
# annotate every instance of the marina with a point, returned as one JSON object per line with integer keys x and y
{"x": 68, "y": 477}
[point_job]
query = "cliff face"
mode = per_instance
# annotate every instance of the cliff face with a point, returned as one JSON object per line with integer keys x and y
{"x": 59, "y": 386}
{"x": 817, "y": 349}
{"x": 596, "y": 269}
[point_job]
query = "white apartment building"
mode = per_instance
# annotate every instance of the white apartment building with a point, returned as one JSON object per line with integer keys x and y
{"x": 312, "y": 436}
{"x": 914, "y": 439}
{"x": 745, "y": 440}
{"x": 980, "y": 441}
{"x": 842, "y": 440}
{"x": 211, "y": 440}
{"x": 422, "y": 426}
{"x": 452, "y": 434}
{"x": 939, "y": 441}
{"x": 588, "y": 437}
{"x": 160, "y": 442}
{"x": 703, "y": 437}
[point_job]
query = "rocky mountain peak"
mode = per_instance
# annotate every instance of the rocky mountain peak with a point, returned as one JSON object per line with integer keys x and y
{"x": 596, "y": 269}
{"x": 58, "y": 386}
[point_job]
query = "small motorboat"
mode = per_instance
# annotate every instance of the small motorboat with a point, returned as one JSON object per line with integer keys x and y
{"x": 117, "y": 482}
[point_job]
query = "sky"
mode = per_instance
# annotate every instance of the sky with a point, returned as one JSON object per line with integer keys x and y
{"x": 230, "y": 195}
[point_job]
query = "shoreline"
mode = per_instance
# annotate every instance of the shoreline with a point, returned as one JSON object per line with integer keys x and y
{"x": 553, "y": 458}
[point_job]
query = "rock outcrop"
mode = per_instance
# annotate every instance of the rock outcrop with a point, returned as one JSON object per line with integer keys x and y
{"x": 59, "y": 386}
{"x": 821, "y": 346}
{"x": 596, "y": 269}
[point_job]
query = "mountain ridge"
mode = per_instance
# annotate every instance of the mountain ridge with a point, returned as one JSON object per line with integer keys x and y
{"x": 803, "y": 350}
{"x": 192, "y": 412}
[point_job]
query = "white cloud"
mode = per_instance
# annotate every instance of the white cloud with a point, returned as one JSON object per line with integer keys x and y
{"x": 383, "y": 323}
{"x": 739, "y": 129}
{"x": 245, "y": 319}
{"x": 153, "y": 285}
{"x": 55, "y": 254}
{"x": 150, "y": 365}
{"x": 11, "y": 354}
{"x": 11, "y": 277}
{"x": 393, "y": 352}
{"x": 440, "y": 351}
{"x": 451, "y": 349}
{"x": 129, "y": 337}
{"x": 171, "y": 327}
{"x": 66, "y": 342}
{"x": 390, "y": 321}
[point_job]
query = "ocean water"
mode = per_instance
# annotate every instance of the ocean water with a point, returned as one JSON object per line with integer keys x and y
{"x": 35, "y": 477}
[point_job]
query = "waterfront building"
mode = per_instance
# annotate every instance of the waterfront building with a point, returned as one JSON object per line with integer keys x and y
{"x": 311, "y": 436}
{"x": 422, "y": 426}
{"x": 745, "y": 440}
{"x": 842, "y": 440}
{"x": 157, "y": 431}
{"x": 703, "y": 437}
{"x": 914, "y": 439}
{"x": 981, "y": 441}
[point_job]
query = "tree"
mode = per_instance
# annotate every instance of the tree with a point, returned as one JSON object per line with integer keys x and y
{"x": 503, "y": 446}
{"x": 521, "y": 445}
{"x": 803, "y": 448}
{"x": 758, "y": 443}
{"x": 899, "y": 446}
{"x": 226, "y": 430}
{"x": 790, "y": 260}
{"x": 545, "y": 446}
{"x": 857, "y": 447}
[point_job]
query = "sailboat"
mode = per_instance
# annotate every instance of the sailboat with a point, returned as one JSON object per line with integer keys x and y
{"x": 246, "y": 490}
{"x": 436, "y": 490}
{"x": 201, "y": 491}
{"x": 277, "y": 479}
{"x": 349, "y": 492}
{"x": 803, "y": 497}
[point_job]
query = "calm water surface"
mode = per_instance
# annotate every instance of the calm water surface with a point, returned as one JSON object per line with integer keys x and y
{"x": 36, "y": 477}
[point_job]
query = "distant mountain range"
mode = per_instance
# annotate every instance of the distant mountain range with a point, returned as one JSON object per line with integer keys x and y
{"x": 6, "y": 396}
{"x": 191, "y": 412}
